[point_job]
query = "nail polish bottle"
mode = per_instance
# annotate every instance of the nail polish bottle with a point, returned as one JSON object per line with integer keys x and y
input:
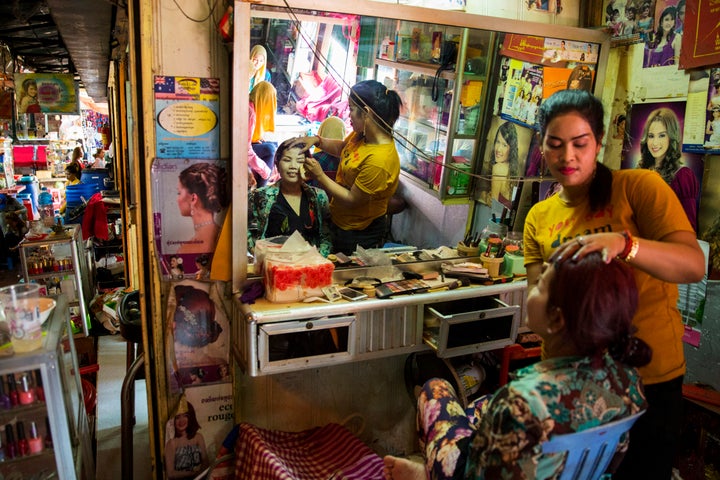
{"x": 26, "y": 395}
{"x": 4, "y": 397}
{"x": 48, "y": 435}
{"x": 39, "y": 390}
{"x": 10, "y": 445}
{"x": 12, "y": 390}
{"x": 23, "y": 447}
{"x": 2, "y": 451}
{"x": 35, "y": 442}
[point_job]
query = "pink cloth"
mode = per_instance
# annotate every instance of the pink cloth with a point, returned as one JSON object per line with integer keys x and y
{"x": 323, "y": 101}
{"x": 327, "y": 452}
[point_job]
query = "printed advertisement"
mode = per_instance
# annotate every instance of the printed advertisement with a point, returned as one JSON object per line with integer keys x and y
{"x": 188, "y": 117}
{"x": 190, "y": 198}
{"x": 46, "y": 93}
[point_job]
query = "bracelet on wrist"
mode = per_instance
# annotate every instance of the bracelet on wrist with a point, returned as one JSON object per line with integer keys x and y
{"x": 631, "y": 247}
{"x": 628, "y": 244}
{"x": 633, "y": 250}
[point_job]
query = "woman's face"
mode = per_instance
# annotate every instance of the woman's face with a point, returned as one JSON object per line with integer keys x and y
{"x": 668, "y": 22}
{"x": 501, "y": 149}
{"x": 357, "y": 117}
{"x": 570, "y": 149}
{"x": 658, "y": 140}
{"x": 32, "y": 90}
{"x": 257, "y": 61}
{"x": 537, "y": 301}
{"x": 181, "y": 422}
{"x": 184, "y": 200}
{"x": 289, "y": 165}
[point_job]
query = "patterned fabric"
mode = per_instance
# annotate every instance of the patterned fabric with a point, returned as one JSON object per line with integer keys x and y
{"x": 646, "y": 206}
{"x": 261, "y": 203}
{"x": 501, "y": 436}
{"x": 328, "y": 452}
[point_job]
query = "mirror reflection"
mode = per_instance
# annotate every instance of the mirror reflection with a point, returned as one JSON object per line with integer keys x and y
{"x": 461, "y": 139}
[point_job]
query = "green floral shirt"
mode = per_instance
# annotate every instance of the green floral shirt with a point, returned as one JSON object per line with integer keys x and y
{"x": 317, "y": 232}
{"x": 552, "y": 397}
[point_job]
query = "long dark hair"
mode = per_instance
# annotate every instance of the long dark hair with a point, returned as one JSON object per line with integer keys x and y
{"x": 600, "y": 319}
{"x": 384, "y": 103}
{"x": 590, "y": 108}
{"x": 509, "y": 133}
{"x": 671, "y": 161}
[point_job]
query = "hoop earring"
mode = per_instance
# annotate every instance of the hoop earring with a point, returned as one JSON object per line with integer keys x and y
{"x": 192, "y": 211}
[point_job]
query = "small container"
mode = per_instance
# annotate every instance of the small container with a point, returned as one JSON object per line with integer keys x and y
{"x": 465, "y": 251}
{"x": 35, "y": 442}
{"x": 492, "y": 264}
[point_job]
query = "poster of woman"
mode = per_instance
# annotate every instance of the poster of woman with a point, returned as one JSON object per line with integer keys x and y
{"x": 655, "y": 143}
{"x": 506, "y": 150}
{"x": 197, "y": 335}
{"x": 191, "y": 199}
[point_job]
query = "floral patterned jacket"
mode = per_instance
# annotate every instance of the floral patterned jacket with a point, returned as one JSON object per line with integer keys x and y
{"x": 552, "y": 397}
{"x": 261, "y": 201}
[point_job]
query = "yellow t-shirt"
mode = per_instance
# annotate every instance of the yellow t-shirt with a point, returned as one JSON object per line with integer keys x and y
{"x": 374, "y": 169}
{"x": 643, "y": 204}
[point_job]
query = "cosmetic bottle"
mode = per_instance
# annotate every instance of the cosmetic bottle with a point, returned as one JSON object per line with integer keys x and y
{"x": 39, "y": 390}
{"x": 2, "y": 450}
{"x": 26, "y": 395}
{"x": 4, "y": 397}
{"x": 10, "y": 445}
{"x": 48, "y": 435}
{"x": 23, "y": 447}
{"x": 35, "y": 442}
{"x": 12, "y": 390}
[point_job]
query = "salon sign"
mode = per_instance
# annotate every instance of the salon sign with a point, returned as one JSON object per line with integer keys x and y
{"x": 54, "y": 93}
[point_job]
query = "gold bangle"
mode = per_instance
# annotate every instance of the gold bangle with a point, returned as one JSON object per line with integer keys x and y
{"x": 633, "y": 250}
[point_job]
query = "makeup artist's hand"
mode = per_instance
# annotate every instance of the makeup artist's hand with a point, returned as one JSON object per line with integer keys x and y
{"x": 609, "y": 244}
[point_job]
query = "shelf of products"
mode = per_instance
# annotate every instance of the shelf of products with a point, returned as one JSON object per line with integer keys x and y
{"x": 58, "y": 262}
{"x": 440, "y": 74}
{"x": 43, "y": 421}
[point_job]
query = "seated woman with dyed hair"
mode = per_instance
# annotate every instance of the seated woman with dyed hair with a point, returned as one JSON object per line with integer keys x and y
{"x": 583, "y": 310}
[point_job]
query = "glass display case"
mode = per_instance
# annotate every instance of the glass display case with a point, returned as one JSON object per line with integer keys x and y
{"x": 58, "y": 261}
{"x": 440, "y": 73}
{"x": 43, "y": 422}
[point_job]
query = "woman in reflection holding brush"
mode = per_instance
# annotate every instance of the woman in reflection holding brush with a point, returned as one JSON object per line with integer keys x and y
{"x": 369, "y": 169}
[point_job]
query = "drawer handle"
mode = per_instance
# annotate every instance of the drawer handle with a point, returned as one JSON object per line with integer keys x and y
{"x": 481, "y": 315}
{"x": 309, "y": 325}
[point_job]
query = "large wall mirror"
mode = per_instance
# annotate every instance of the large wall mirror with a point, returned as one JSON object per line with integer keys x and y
{"x": 467, "y": 82}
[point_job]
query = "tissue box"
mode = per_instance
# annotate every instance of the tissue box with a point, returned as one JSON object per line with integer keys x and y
{"x": 292, "y": 278}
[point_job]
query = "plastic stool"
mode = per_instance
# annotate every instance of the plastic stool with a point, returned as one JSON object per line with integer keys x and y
{"x": 515, "y": 352}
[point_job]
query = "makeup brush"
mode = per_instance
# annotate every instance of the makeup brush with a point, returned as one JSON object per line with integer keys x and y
{"x": 460, "y": 282}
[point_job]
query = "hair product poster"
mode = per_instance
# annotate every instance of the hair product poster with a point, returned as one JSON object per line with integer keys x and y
{"x": 506, "y": 151}
{"x": 190, "y": 200}
{"x": 188, "y": 117}
{"x": 197, "y": 335}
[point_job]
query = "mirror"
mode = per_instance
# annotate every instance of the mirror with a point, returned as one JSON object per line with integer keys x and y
{"x": 464, "y": 83}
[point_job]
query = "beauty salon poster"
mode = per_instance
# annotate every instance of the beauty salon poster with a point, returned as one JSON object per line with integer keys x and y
{"x": 46, "y": 93}
{"x": 188, "y": 117}
{"x": 190, "y": 200}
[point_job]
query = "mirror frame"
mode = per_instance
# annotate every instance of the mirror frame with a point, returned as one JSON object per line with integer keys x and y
{"x": 244, "y": 11}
